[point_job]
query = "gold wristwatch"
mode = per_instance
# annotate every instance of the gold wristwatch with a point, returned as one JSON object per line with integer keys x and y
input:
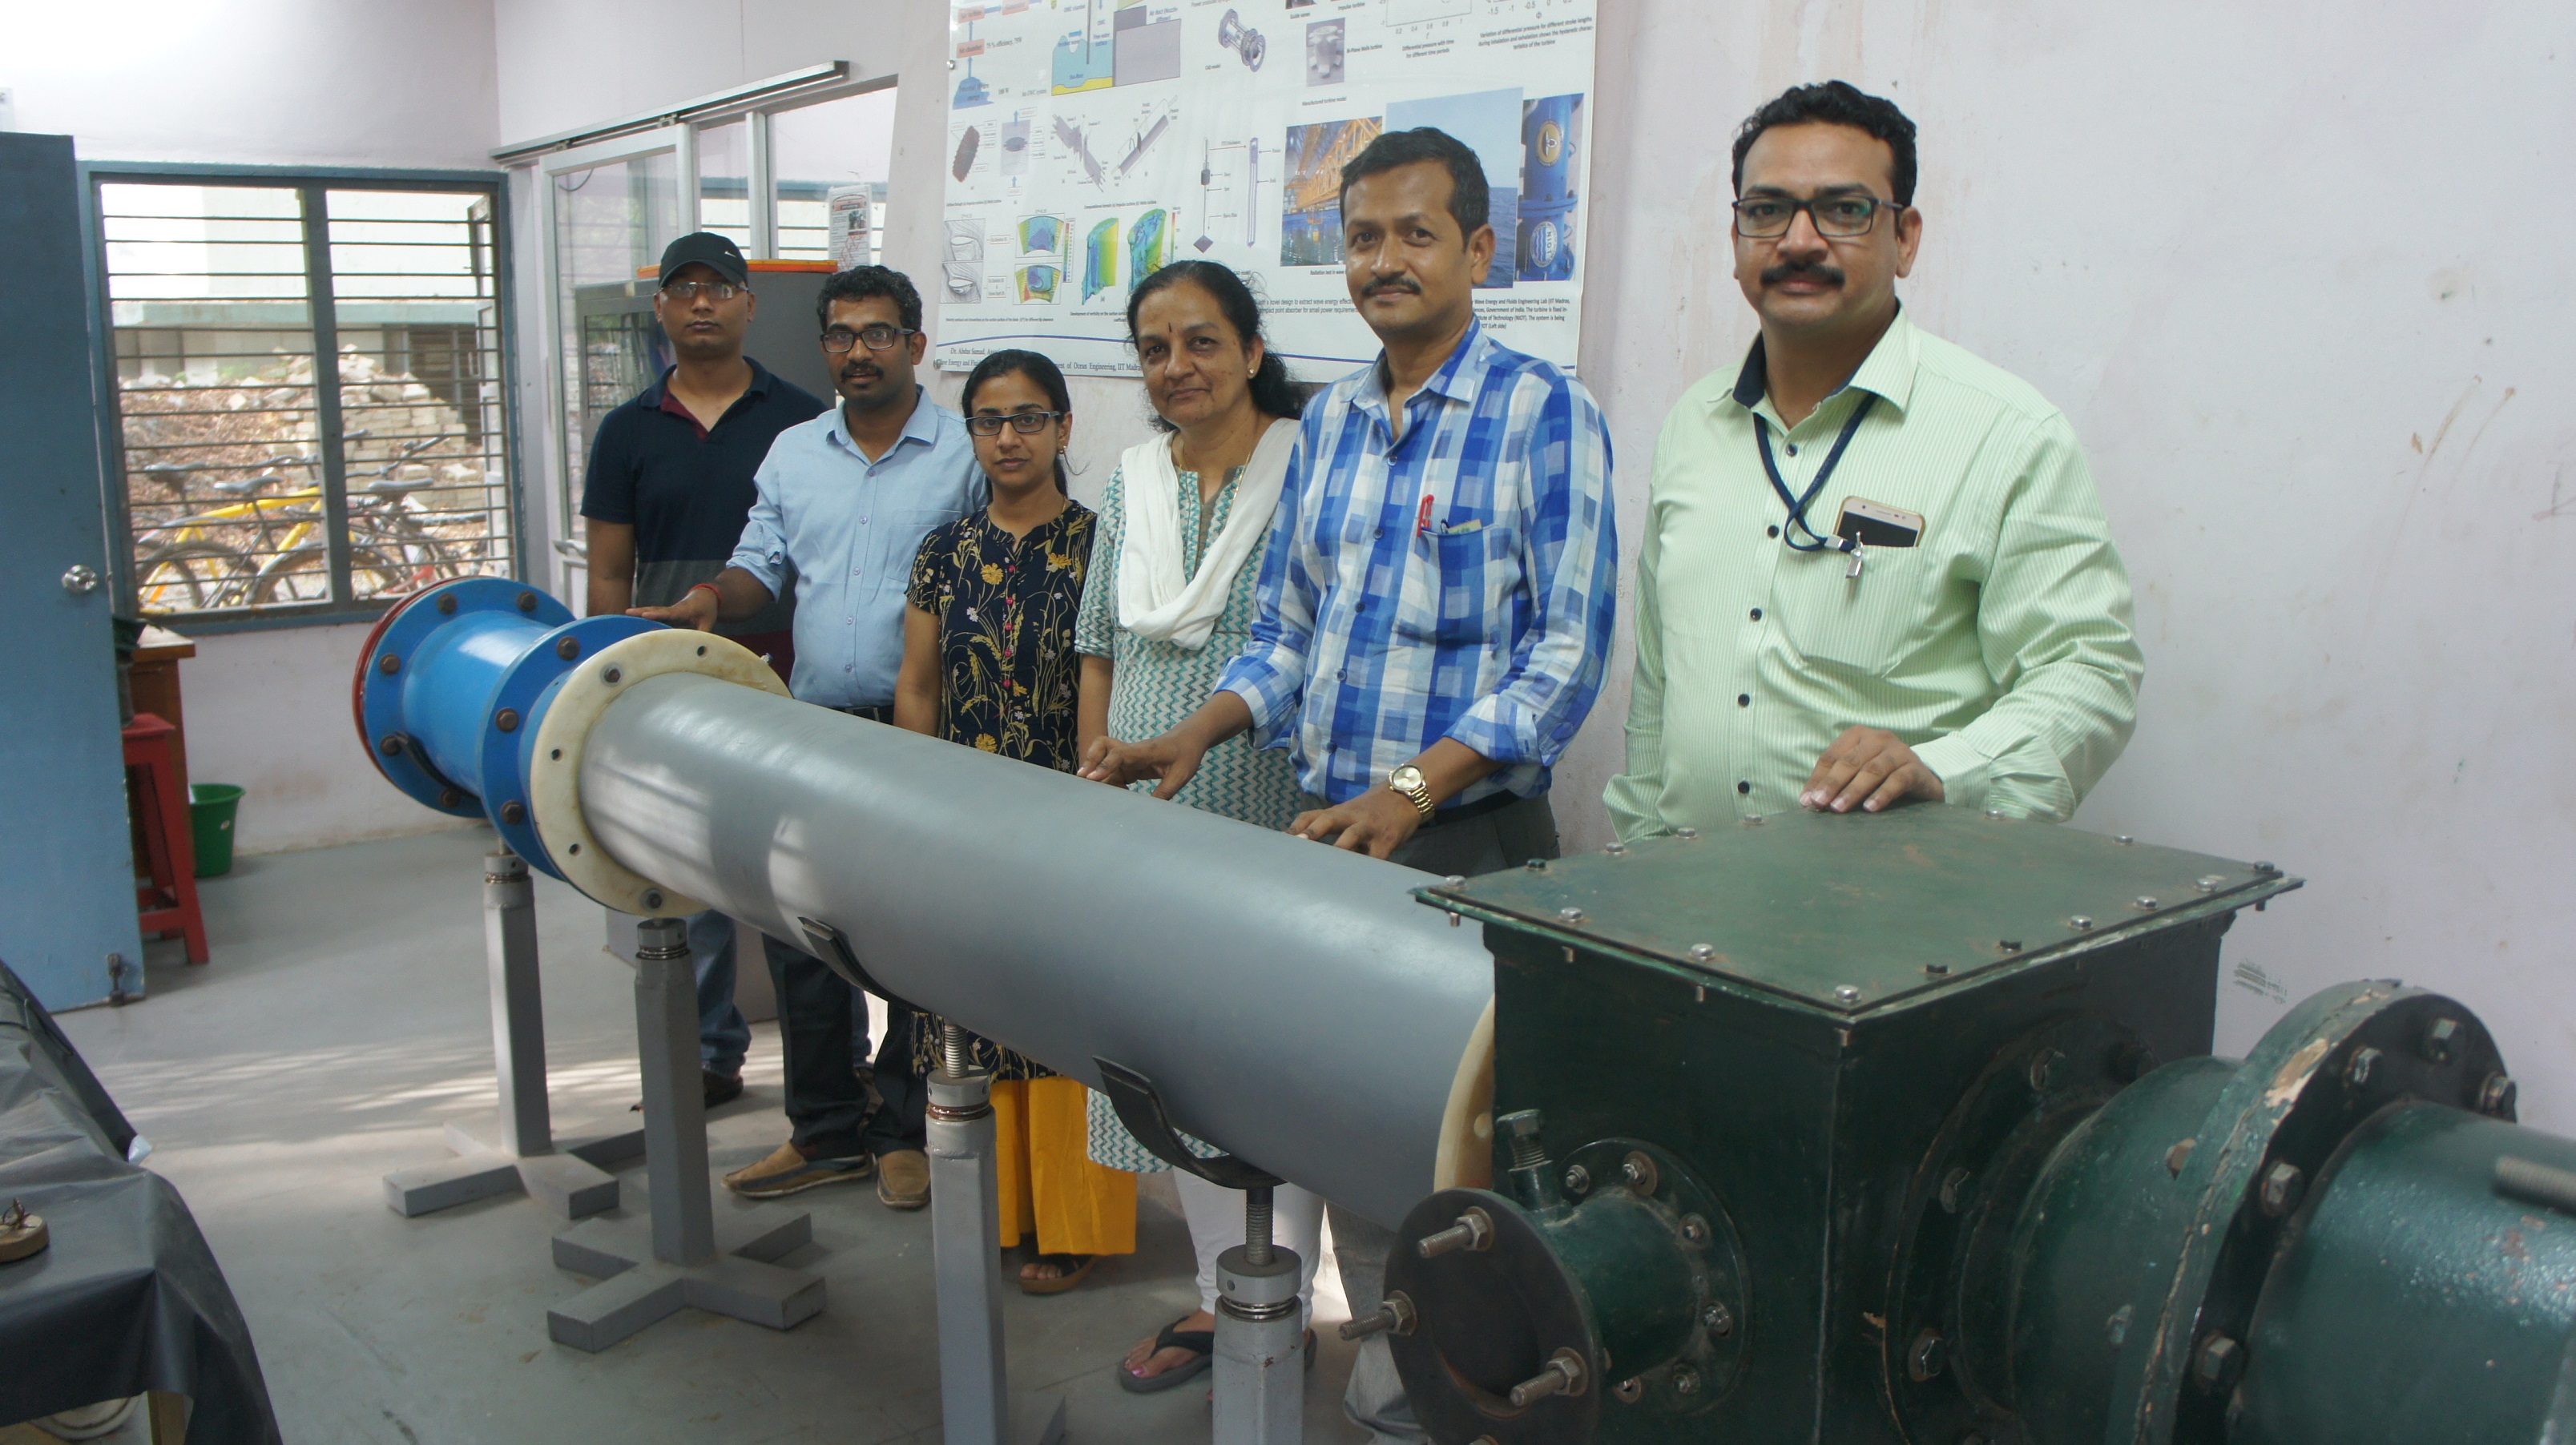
{"x": 1409, "y": 781}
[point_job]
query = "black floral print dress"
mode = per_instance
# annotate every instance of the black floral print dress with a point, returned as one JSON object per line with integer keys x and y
{"x": 1009, "y": 678}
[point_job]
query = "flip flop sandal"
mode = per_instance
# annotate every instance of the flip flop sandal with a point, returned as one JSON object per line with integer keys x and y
{"x": 1061, "y": 1282}
{"x": 1201, "y": 1344}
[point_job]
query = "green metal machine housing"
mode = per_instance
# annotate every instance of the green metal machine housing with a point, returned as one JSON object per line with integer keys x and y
{"x": 1903, "y": 1128}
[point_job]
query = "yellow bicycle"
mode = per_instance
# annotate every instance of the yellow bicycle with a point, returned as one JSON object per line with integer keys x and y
{"x": 266, "y": 549}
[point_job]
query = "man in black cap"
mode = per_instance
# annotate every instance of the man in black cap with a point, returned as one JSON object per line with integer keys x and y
{"x": 663, "y": 503}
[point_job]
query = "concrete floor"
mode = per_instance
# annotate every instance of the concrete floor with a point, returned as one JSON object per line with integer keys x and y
{"x": 345, "y": 1018}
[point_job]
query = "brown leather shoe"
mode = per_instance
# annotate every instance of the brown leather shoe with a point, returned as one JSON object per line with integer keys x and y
{"x": 789, "y": 1172}
{"x": 903, "y": 1179}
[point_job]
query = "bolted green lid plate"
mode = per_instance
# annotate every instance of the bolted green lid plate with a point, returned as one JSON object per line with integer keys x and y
{"x": 1850, "y": 911}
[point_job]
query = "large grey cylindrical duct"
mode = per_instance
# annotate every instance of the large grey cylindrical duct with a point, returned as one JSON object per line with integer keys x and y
{"x": 1290, "y": 1000}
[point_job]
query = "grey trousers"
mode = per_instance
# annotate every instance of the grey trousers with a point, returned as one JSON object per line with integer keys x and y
{"x": 1504, "y": 838}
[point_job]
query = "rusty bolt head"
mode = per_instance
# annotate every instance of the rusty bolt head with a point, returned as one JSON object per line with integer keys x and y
{"x": 1847, "y": 993}
{"x": 1954, "y": 1189}
{"x": 568, "y": 649}
{"x": 1638, "y": 1173}
{"x": 450, "y": 797}
{"x": 527, "y": 602}
{"x": 388, "y": 664}
{"x": 2046, "y": 1069}
{"x": 1718, "y": 1319}
{"x": 1569, "y": 915}
{"x": 507, "y": 720}
{"x": 2497, "y": 1095}
{"x": 1694, "y": 1229}
{"x": 2218, "y": 1364}
{"x": 613, "y": 676}
{"x": 1629, "y": 1392}
{"x": 391, "y": 745}
{"x": 514, "y": 811}
{"x": 1522, "y": 1124}
{"x": 1703, "y": 953}
{"x": 447, "y": 605}
{"x": 2283, "y": 1184}
{"x": 2442, "y": 1040}
{"x": 1685, "y": 1380}
{"x": 2178, "y": 1156}
{"x": 1925, "y": 1358}
{"x": 1578, "y": 1179}
{"x": 2365, "y": 1062}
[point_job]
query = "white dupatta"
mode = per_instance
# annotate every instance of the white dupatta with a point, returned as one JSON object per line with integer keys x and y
{"x": 1156, "y": 595}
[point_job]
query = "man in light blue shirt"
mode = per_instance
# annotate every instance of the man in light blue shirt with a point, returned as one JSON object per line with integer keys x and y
{"x": 844, "y": 502}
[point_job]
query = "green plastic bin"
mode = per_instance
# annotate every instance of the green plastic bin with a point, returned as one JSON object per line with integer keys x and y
{"x": 210, "y": 817}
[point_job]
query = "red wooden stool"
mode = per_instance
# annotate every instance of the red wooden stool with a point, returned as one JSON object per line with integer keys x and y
{"x": 169, "y": 899}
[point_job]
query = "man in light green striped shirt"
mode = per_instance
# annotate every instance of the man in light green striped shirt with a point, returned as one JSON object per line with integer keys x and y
{"x": 1992, "y": 663}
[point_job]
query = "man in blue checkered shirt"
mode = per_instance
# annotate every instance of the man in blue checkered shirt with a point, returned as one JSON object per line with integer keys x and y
{"x": 1437, "y": 597}
{"x": 1436, "y": 600}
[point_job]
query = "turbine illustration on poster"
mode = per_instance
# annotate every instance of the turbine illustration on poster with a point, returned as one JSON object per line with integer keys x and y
{"x": 1551, "y": 133}
{"x": 1311, "y": 220}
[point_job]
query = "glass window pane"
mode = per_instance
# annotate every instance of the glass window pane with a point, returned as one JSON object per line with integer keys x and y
{"x": 422, "y": 443}
{"x": 611, "y": 223}
{"x": 817, "y": 150}
{"x": 724, "y": 181}
{"x": 208, "y": 308}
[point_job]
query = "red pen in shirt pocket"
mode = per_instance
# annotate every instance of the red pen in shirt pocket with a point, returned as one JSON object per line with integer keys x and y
{"x": 1422, "y": 516}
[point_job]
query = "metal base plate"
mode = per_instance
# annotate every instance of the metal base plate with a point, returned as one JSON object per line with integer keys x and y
{"x": 636, "y": 1289}
{"x": 573, "y": 1181}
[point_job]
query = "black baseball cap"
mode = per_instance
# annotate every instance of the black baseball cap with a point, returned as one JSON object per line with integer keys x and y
{"x": 706, "y": 248}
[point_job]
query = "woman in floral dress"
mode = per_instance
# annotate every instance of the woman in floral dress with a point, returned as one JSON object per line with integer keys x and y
{"x": 988, "y": 661}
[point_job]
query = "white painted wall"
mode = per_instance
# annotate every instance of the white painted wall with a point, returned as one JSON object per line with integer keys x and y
{"x": 270, "y": 711}
{"x": 341, "y": 82}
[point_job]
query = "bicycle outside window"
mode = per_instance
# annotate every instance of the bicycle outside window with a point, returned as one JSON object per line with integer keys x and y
{"x": 310, "y": 406}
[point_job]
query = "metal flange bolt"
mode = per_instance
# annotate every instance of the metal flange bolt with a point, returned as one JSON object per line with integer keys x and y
{"x": 1394, "y": 1315}
{"x": 1473, "y": 1231}
{"x": 1521, "y": 1128}
{"x": 2365, "y": 1062}
{"x": 2218, "y": 1364}
{"x": 1718, "y": 1318}
{"x": 1578, "y": 1180}
{"x": 1562, "y": 1375}
{"x": 1926, "y": 1357}
{"x": 2497, "y": 1095}
{"x": 2283, "y": 1184}
{"x": 2442, "y": 1040}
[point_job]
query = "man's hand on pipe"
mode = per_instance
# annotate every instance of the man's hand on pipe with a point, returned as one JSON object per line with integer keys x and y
{"x": 697, "y": 610}
{"x": 1376, "y": 823}
{"x": 1869, "y": 767}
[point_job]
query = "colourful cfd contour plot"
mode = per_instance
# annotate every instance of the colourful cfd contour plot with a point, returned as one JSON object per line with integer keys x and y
{"x": 1147, "y": 243}
{"x": 1100, "y": 259}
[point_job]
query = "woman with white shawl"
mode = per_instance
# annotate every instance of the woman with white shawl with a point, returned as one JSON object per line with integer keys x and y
{"x": 1170, "y": 601}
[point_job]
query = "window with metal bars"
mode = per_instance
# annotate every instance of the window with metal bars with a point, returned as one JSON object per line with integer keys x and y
{"x": 310, "y": 407}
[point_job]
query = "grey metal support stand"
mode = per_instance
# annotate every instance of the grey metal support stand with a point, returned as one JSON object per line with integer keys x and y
{"x": 1260, "y": 1336}
{"x": 649, "y": 1271}
{"x": 975, "y": 1402}
{"x": 573, "y": 1179}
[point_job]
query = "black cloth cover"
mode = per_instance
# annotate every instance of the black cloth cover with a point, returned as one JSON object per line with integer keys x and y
{"x": 127, "y": 1298}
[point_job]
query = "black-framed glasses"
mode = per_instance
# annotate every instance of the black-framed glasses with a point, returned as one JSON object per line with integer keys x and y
{"x": 713, "y": 290}
{"x": 1764, "y": 217}
{"x": 1026, "y": 423}
{"x": 879, "y": 337}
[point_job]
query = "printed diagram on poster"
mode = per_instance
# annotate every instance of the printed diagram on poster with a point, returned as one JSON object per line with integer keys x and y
{"x": 1092, "y": 142}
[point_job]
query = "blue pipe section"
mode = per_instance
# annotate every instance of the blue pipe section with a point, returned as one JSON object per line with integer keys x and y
{"x": 453, "y": 685}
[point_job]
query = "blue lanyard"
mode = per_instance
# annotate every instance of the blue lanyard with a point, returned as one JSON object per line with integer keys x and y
{"x": 1798, "y": 505}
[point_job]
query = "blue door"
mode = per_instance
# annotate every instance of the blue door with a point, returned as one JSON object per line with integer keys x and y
{"x": 67, "y": 914}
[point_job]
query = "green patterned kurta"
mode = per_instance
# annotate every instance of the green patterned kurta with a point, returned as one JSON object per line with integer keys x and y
{"x": 1008, "y": 676}
{"x": 1158, "y": 684}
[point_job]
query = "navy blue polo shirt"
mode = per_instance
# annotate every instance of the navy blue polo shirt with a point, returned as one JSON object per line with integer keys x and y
{"x": 686, "y": 489}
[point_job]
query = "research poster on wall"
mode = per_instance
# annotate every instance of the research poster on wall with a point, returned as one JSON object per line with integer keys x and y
{"x": 1093, "y": 142}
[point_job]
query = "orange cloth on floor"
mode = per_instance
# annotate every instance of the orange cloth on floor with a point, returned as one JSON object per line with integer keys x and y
{"x": 1042, "y": 1143}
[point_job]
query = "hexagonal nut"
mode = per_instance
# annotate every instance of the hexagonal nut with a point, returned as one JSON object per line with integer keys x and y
{"x": 2283, "y": 1185}
{"x": 2442, "y": 1040}
{"x": 2218, "y": 1364}
{"x": 2496, "y": 1097}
